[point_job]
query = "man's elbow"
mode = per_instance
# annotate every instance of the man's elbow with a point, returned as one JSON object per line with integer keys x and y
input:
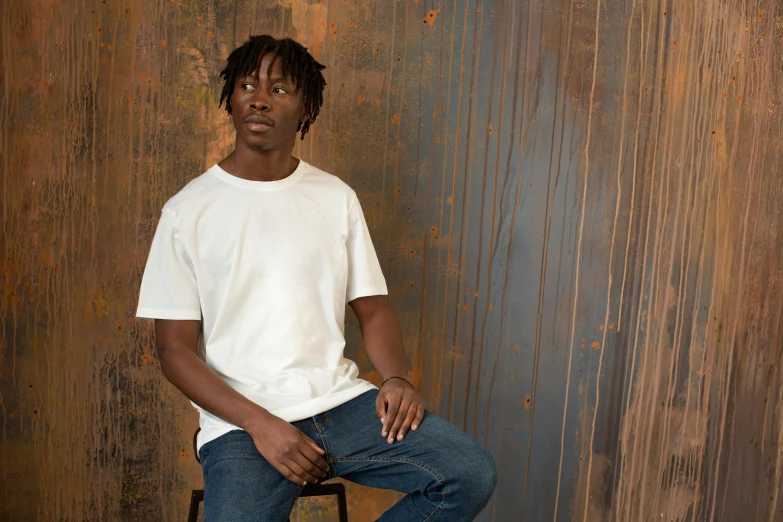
{"x": 169, "y": 358}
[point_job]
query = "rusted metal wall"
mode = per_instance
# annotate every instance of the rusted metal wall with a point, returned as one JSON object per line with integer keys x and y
{"x": 578, "y": 206}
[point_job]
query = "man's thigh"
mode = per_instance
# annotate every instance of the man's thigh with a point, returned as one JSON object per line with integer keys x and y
{"x": 240, "y": 485}
{"x": 430, "y": 458}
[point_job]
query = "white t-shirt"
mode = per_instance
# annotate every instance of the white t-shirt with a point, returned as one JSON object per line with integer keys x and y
{"x": 268, "y": 267}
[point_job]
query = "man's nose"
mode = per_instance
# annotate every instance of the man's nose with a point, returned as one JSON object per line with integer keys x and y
{"x": 260, "y": 101}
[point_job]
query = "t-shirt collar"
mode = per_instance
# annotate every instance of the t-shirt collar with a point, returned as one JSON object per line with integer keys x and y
{"x": 288, "y": 181}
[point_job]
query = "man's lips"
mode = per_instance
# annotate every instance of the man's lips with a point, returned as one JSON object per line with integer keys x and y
{"x": 258, "y": 123}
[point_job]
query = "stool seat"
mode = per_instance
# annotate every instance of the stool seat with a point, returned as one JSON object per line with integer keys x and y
{"x": 310, "y": 490}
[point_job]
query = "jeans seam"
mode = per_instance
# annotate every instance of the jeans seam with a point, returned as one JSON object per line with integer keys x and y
{"x": 296, "y": 497}
{"x": 412, "y": 462}
{"x": 327, "y": 449}
{"x": 439, "y": 507}
{"x": 229, "y": 459}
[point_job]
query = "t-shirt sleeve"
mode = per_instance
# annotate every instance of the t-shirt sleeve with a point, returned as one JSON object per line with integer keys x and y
{"x": 365, "y": 277}
{"x": 168, "y": 287}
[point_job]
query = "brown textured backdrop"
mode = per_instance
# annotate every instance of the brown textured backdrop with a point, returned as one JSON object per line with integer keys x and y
{"x": 578, "y": 205}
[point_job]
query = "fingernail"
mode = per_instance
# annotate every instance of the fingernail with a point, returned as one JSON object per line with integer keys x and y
{"x": 414, "y": 426}
{"x": 391, "y": 440}
{"x": 305, "y": 483}
{"x": 385, "y": 433}
{"x": 400, "y": 436}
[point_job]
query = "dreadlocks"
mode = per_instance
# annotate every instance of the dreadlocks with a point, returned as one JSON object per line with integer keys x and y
{"x": 298, "y": 64}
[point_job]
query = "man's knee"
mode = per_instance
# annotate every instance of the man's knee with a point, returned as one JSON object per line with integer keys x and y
{"x": 482, "y": 476}
{"x": 467, "y": 470}
{"x": 475, "y": 477}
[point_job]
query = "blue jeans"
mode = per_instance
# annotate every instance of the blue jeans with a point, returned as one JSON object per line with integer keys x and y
{"x": 445, "y": 473}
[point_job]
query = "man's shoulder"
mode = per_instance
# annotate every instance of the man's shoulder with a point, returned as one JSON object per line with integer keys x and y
{"x": 192, "y": 194}
{"x": 321, "y": 180}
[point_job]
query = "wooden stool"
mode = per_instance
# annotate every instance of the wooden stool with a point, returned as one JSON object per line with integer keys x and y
{"x": 311, "y": 490}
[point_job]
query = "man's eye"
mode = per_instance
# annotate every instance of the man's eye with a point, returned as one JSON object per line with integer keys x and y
{"x": 279, "y": 90}
{"x": 247, "y": 86}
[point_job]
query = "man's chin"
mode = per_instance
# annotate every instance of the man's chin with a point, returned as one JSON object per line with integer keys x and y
{"x": 257, "y": 147}
{"x": 263, "y": 145}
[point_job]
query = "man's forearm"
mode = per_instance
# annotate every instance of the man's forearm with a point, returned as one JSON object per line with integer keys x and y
{"x": 383, "y": 342}
{"x": 200, "y": 384}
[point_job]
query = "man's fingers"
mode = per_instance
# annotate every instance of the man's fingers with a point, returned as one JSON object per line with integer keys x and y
{"x": 314, "y": 458}
{"x": 406, "y": 425}
{"x": 309, "y": 467}
{"x": 399, "y": 419}
{"x": 301, "y": 473}
{"x": 380, "y": 407}
{"x": 312, "y": 452}
{"x": 419, "y": 417}
{"x": 312, "y": 444}
{"x": 392, "y": 408}
{"x": 290, "y": 475}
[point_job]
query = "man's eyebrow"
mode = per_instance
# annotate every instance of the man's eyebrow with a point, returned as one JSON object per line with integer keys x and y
{"x": 276, "y": 79}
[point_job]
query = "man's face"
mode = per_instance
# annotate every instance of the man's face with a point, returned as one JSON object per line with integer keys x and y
{"x": 265, "y": 108}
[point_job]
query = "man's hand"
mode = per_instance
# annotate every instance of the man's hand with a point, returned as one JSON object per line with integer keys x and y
{"x": 399, "y": 408}
{"x": 295, "y": 455}
{"x": 398, "y": 405}
{"x": 290, "y": 451}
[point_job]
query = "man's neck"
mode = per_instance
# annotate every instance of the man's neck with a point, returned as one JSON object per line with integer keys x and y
{"x": 268, "y": 165}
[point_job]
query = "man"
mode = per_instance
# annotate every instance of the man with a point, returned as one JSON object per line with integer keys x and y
{"x": 266, "y": 250}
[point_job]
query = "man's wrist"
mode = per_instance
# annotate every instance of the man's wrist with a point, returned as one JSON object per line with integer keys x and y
{"x": 397, "y": 377}
{"x": 257, "y": 418}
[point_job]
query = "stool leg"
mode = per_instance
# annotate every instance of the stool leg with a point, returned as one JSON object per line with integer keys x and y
{"x": 342, "y": 507}
{"x": 196, "y": 497}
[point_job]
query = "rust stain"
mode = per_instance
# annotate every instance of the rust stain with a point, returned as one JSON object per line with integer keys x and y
{"x": 430, "y": 18}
